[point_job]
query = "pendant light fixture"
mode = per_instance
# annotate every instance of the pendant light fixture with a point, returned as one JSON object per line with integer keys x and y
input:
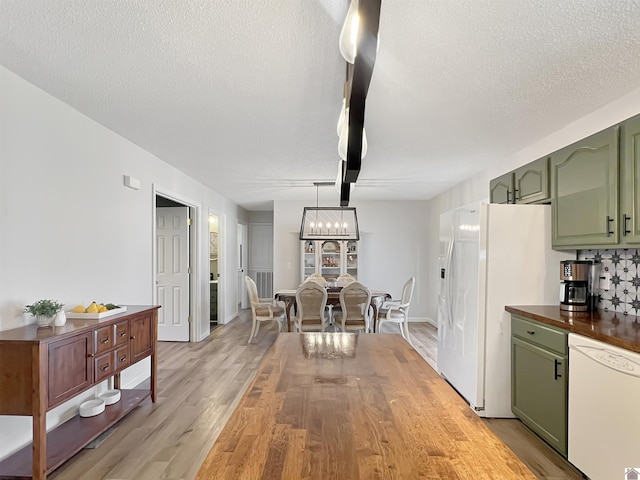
{"x": 343, "y": 141}
{"x": 349, "y": 33}
{"x": 329, "y": 223}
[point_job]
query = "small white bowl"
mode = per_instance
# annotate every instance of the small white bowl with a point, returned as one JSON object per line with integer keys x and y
{"x": 91, "y": 408}
{"x": 110, "y": 396}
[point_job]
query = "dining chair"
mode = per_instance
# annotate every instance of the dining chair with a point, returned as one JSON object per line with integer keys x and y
{"x": 262, "y": 309}
{"x": 311, "y": 300}
{"x": 397, "y": 311}
{"x": 316, "y": 277}
{"x": 355, "y": 299}
{"x": 345, "y": 279}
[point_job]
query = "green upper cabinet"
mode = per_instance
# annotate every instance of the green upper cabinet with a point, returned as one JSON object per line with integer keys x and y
{"x": 630, "y": 181}
{"x": 532, "y": 182}
{"x": 501, "y": 189}
{"x": 584, "y": 188}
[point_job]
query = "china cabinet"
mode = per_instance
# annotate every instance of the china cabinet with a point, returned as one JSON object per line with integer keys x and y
{"x": 330, "y": 258}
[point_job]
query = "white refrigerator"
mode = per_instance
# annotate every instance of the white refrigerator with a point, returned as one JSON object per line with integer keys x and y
{"x": 490, "y": 256}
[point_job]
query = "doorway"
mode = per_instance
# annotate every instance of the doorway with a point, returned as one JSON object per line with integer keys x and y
{"x": 214, "y": 269}
{"x": 173, "y": 279}
{"x": 243, "y": 237}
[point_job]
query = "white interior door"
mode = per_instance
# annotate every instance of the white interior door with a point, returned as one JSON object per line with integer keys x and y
{"x": 172, "y": 281}
{"x": 242, "y": 260}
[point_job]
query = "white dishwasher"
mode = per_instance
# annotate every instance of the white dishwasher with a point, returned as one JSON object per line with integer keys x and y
{"x": 604, "y": 408}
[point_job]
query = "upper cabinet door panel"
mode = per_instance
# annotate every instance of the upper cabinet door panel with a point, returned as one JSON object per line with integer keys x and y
{"x": 501, "y": 189}
{"x": 630, "y": 180}
{"x": 584, "y": 179}
{"x": 532, "y": 182}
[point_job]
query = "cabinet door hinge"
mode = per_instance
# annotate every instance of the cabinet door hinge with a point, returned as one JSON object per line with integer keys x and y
{"x": 189, "y": 319}
{"x": 188, "y": 221}
{"x": 189, "y": 271}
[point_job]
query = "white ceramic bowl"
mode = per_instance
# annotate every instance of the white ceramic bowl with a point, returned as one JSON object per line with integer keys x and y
{"x": 110, "y": 396}
{"x": 91, "y": 408}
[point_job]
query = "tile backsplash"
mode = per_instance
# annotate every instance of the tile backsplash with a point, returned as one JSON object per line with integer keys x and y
{"x": 624, "y": 268}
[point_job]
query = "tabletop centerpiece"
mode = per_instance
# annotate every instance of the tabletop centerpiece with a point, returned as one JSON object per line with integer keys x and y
{"x": 44, "y": 310}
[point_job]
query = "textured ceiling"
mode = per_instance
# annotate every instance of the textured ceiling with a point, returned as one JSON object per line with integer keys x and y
{"x": 244, "y": 95}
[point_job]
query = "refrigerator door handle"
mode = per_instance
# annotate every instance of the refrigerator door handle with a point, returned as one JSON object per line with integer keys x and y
{"x": 449, "y": 280}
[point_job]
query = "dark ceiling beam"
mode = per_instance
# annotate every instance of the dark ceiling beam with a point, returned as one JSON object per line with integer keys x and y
{"x": 360, "y": 79}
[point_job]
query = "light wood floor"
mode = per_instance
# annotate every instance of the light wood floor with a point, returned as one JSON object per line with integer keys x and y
{"x": 199, "y": 385}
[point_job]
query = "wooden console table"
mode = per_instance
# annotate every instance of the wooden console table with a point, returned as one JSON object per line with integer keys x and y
{"x": 42, "y": 367}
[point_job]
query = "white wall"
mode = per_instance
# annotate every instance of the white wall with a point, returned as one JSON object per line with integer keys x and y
{"x": 392, "y": 247}
{"x": 477, "y": 187}
{"x": 70, "y": 230}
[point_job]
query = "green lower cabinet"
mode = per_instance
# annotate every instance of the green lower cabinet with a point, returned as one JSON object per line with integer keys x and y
{"x": 539, "y": 383}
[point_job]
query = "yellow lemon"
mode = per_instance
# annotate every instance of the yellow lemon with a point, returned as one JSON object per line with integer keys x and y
{"x": 93, "y": 308}
{"x": 102, "y": 308}
{"x": 78, "y": 309}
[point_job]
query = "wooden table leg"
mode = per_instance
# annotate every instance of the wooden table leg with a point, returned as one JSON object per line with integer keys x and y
{"x": 288, "y": 305}
{"x": 39, "y": 412}
{"x": 374, "y": 317}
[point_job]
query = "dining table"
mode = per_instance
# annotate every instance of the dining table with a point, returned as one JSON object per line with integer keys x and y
{"x": 354, "y": 406}
{"x": 288, "y": 297}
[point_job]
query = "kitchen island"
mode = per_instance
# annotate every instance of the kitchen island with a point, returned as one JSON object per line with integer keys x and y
{"x": 344, "y": 405}
{"x": 613, "y": 328}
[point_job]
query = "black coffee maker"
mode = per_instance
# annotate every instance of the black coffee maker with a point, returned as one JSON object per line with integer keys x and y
{"x": 574, "y": 289}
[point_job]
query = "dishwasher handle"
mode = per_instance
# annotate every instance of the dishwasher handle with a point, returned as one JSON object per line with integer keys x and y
{"x": 610, "y": 359}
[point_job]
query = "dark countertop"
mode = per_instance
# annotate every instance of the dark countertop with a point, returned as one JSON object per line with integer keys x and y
{"x": 609, "y": 327}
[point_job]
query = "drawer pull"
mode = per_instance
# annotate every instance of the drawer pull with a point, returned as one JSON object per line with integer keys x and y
{"x": 133, "y": 337}
{"x": 557, "y": 363}
{"x": 531, "y": 332}
{"x": 91, "y": 355}
{"x": 123, "y": 334}
{"x": 123, "y": 359}
{"x": 105, "y": 368}
{"x": 105, "y": 340}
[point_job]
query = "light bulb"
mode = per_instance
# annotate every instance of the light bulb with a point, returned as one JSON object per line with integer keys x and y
{"x": 342, "y": 118}
{"x": 365, "y": 145}
{"x": 343, "y": 142}
{"x": 349, "y": 33}
{"x": 338, "y": 183}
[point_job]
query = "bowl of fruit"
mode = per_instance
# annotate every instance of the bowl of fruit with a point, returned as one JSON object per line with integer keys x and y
{"x": 95, "y": 311}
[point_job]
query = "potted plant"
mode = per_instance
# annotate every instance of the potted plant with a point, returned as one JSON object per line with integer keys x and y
{"x": 44, "y": 311}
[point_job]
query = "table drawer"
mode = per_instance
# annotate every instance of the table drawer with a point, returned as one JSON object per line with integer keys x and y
{"x": 122, "y": 359}
{"x": 104, "y": 339}
{"x": 537, "y": 333}
{"x": 104, "y": 366}
{"x": 122, "y": 333}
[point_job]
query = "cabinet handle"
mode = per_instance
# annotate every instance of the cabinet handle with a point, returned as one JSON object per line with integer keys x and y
{"x": 105, "y": 340}
{"x": 625, "y": 230}
{"x": 122, "y": 334}
{"x": 133, "y": 337}
{"x": 91, "y": 355}
{"x": 105, "y": 368}
{"x": 556, "y": 364}
{"x": 508, "y": 196}
{"x": 122, "y": 359}
{"x": 515, "y": 196}
{"x": 531, "y": 332}
{"x": 609, "y": 231}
